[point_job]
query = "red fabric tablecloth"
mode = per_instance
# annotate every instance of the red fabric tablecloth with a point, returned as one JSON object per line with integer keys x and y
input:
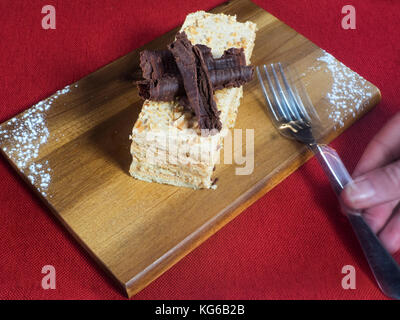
{"x": 290, "y": 244}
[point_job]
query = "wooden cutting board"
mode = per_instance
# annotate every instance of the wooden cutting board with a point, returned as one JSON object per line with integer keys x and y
{"x": 73, "y": 149}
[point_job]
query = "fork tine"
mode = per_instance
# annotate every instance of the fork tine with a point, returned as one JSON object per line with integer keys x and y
{"x": 291, "y": 115}
{"x": 294, "y": 105}
{"x": 284, "y": 99}
{"x": 264, "y": 90}
{"x": 281, "y": 108}
{"x": 305, "y": 101}
{"x": 293, "y": 92}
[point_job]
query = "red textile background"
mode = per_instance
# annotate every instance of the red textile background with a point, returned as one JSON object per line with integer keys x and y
{"x": 291, "y": 244}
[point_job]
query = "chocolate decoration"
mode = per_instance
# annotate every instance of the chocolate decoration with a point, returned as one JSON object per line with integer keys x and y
{"x": 191, "y": 75}
{"x": 163, "y": 89}
{"x": 168, "y": 88}
{"x": 196, "y": 81}
{"x": 231, "y": 58}
{"x": 157, "y": 64}
{"x": 231, "y": 77}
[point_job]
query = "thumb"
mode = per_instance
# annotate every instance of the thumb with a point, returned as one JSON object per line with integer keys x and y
{"x": 373, "y": 188}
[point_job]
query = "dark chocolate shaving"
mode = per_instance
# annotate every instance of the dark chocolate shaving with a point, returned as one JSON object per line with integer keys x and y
{"x": 168, "y": 88}
{"x": 196, "y": 81}
{"x": 231, "y": 58}
{"x": 163, "y": 89}
{"x": 161, "y": 63}
{"x": 231, "y": 77}
{"x": 191, "y": 75}
{"x": 156, "y": 64}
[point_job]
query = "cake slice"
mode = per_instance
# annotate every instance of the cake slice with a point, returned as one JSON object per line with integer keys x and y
{"x": 167, "y": 145}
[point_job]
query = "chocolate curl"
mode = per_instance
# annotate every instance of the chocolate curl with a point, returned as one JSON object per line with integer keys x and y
{"x": 196, "y": 81}
{"x": 233, "y": 57}
{"x": 163, "y": 89}
{"x": 168, "y": 88}
{"x": 210, "y": 119}
{"x": 158, "y": 64}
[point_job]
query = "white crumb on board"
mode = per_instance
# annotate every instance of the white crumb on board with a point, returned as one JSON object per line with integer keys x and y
{"x": 349, "y": 90}
{"x": 26, "y": 135}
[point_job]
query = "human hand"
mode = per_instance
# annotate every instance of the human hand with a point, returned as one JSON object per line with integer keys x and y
{"x": 376, "y": 186}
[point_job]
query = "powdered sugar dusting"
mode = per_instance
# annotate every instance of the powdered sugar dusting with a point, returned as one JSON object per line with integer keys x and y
{"x": 26, "y": 135}
{"x": 348, "y": 93}
{"x": 40, "y": 175}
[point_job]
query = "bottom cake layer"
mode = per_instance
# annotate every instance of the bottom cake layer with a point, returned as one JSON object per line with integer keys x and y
{"x": 172, "y": 150}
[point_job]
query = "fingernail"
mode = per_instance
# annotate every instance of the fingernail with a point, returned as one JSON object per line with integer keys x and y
{"x": 360, "y": 190}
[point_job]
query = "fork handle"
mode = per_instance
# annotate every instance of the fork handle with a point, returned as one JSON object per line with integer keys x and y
{"x": 385, "y": 269}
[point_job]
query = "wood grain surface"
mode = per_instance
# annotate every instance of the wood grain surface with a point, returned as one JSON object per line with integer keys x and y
{"x": 73, "y": 148}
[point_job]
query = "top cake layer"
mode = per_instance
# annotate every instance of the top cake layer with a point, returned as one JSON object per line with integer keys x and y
{"x": 220, "y": 32}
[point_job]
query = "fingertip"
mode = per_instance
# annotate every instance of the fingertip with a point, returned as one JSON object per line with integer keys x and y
{"x": 390, "y": 235}
{"x": 390, "y": 245}
{"x": 346, "y": 197}
{"x": 358, "y": 193}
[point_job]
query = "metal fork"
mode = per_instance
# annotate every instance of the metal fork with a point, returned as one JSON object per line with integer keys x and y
{"x": 295, "y": 117}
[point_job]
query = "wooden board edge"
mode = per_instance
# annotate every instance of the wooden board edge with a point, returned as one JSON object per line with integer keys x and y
{"x": 75, "y": 238}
